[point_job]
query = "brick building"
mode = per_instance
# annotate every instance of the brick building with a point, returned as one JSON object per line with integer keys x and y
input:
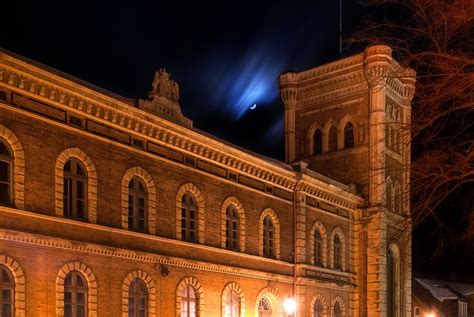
{"x": 119, "y": 207}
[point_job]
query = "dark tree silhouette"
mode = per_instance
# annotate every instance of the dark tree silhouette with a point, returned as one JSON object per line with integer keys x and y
{"x": 436, "y": 38}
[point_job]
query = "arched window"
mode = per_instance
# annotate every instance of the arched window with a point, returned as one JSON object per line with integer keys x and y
{"x": 188, "y": 302}
{"x": 137, "y": 299}
{"x": 268, "y": 237}
{"x": 348, "y": 135}
{"x": 392, "y": 283}
{"x": 75, "y": 190}
{"x": 318, "y": 248}
{"x": 337, "y": 310}
{"x": 137, "y": 204}
{"x": 232, "y": 304}
{"x": 75, "y": 295}
{"x": 188, "y": 218}
{"x": 6, "y": 182}
{"x": 232, "y": 228}
{"x": 264, "y": 308}
{"x": 7, "y": 287}
{"x": 317, "y": 142}
{"x": 318, "y": 308}
{"x": 337, "y": 253}
{"x": 332, "y": 139}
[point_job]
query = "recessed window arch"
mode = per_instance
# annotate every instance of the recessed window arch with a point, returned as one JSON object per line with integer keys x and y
{"x": 189, "y": 214}
{"x": 137, "y": 204}
{"x": 318, "y": 248}
{"x": 318, "y": 245}
{"x": 138, "y": 295}
{"x": 269, "y": 234}
{"x": 12, "y": 169}
{"x": 6, "y": 173}
{"x": 318, "y": 306}
{"x": 337, "y": 253}
{"x": 264, "y": 308}
{"x": 317, "y": 142}
{"x": 233, "y": 225}
{"x": 75, "y": 295}
{"x": 332, "y": 139}
{"x": 76, "y": 291}
{"x": 338, "y": 250}
{"x": 233, "y": 301}
{"x": 7, "y": 289}
{"x": 189, "y": 297}
{"x": 75, "y": 172}
{"x": 138, "y": 201}
{"x": 189, "y": 217}
{"x": 393, "y": 280}
{"x": 232, "y": 230}
{"x": 75, "y": 190}
{"x": 137, "y": 298}
{"x": 348, "y": 135}
{"x": 268, "y": 237}
{"x": 338, "y": 308}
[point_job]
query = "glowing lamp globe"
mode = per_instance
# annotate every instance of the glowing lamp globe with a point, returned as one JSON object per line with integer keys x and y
{"x": 289, "y": 305}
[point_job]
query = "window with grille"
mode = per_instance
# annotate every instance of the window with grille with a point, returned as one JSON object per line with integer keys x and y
{"x": 137, "y": 205}
{"x": 188, "y": 302}
{"x": 232, "y": 304}
{"x": 137, "y": 299}
{"x": 75, "y": 295}
{"x": 7, "y": 286}
{"x": 232, "y": 228}
{"x": 268, "y": 237}
{"x": 75, "y": 190}
{"x": 188, "y": 218}
{"x": 6, "y": 181}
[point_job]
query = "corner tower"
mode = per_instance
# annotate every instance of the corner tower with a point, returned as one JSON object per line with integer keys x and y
{"x": 350, "y": 120}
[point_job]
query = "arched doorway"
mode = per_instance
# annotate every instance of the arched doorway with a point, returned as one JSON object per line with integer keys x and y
{"x": 264, "y": 308}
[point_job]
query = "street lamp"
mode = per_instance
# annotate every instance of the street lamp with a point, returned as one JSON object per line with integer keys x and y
{"x": 289, "y": 305}
{"x": 430, "y": 315}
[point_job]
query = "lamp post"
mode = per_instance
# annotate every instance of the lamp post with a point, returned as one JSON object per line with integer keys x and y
{"x": 290, "y": 306}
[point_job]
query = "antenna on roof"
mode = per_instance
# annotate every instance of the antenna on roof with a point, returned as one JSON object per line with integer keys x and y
{"x": 340, "y": 27}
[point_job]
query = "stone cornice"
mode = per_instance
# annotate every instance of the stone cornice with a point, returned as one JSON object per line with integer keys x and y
{"x": 328, "y": 192}
{"x": 53, "y": 89}
{"x": 58, "y": 243}
{"x": 352, "y": 75}
{"x": 49, "y": 87}
{"x": 65, "y": 244}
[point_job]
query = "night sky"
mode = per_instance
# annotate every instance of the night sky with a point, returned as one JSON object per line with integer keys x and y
{"x": 226, "y": 57}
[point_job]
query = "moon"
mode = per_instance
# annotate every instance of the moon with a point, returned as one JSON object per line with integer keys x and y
{"x": 253, "y": 107}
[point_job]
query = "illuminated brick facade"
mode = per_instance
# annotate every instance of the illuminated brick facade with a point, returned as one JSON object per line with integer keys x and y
{"x": 116, "y": 207}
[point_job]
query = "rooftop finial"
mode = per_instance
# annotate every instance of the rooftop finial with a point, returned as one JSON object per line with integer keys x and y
{"x": 163, "y": 86}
